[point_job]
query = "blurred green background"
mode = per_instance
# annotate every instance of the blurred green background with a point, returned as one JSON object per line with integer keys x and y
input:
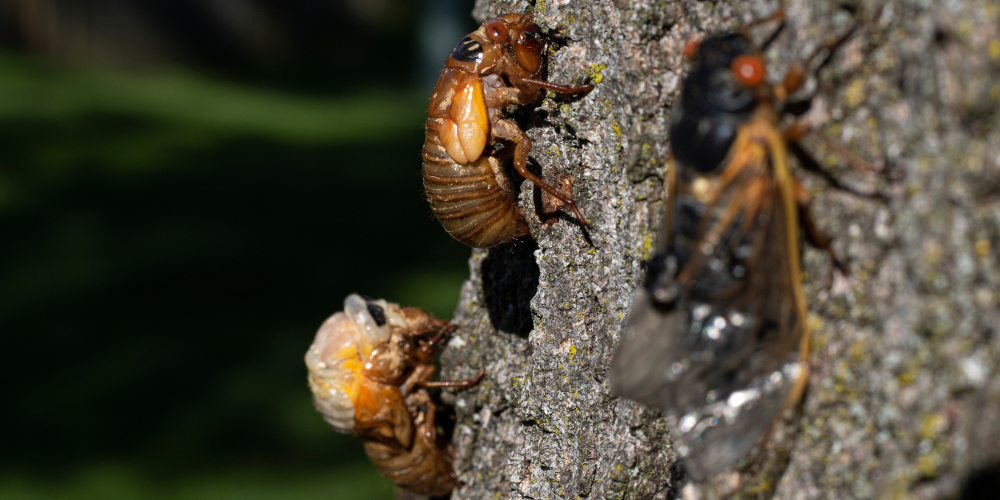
{"x": 187, "y": 190}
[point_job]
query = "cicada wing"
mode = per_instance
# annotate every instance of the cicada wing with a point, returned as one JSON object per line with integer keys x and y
{"x": 720, "y": 394}
{"x": 722, "y": 358}
{"x": 638, "y": 369}
{"x": 756, "y": 351}
{"x": 713, "y": 437}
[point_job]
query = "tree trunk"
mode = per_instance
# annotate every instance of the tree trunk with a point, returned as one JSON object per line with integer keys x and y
{"x": 903, "y": 397}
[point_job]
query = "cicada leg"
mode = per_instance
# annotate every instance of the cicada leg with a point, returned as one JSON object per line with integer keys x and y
{"x": 800, "y": 129}
{"x": 457, "y": 384}
{"x": 542, "y": 84}
{"x": 506, "y": 129}
{"x": 432, "y": 347}
{"x": 778, "y": 15}
{"x": 421, "y": 376}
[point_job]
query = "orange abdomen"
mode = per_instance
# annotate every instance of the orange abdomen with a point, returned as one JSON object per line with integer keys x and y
{"x": 472, "y": 205}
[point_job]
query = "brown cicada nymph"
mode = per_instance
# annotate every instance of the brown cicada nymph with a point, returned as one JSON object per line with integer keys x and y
{"x": 469, "y": 135}
{"x": 717, "y": 336}
{"x": 368, "y": 367}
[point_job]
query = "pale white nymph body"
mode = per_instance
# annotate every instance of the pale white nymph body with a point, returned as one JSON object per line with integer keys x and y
{"x": 339, "y": 353}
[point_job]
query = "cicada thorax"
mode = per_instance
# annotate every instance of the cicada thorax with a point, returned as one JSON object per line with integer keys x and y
{"x": 364, "y": 365}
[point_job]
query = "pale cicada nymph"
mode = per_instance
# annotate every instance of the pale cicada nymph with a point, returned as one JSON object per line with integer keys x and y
{"x": 369, "y": 366}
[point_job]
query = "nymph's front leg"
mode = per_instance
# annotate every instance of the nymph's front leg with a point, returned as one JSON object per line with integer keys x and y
{"x": 422, "y": 375}
{"x": 498, "y": 95}
{"x": 508, "y": 130}
{"x": 542, "y": 84}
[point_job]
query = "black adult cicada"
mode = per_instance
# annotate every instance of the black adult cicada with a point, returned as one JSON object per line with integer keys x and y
{"x": 717, "y": 336}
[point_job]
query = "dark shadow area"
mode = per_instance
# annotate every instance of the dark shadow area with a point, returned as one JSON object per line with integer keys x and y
{"x": 679, "y": 477}
{"x": 187, "y": 190}
{"x": 982, "y": 484}
{"x": 510, "y": 280}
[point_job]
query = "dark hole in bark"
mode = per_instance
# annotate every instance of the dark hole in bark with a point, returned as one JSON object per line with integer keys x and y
{"x": 982, "y": 484}
{"x": 510, "y": 280}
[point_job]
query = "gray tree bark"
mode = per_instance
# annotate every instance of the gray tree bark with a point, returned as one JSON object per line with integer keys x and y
{"x": 903, "y": 398}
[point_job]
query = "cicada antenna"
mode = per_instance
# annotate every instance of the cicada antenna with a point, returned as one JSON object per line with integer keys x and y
{"x": 778, "y": 15}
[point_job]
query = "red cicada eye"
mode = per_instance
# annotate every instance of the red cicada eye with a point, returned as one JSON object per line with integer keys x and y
{"x": 749, "y": 70}
{"x": 496, "y": 31}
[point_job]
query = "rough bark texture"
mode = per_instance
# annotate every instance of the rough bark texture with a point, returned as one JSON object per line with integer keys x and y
{"x": 904, "y": 397}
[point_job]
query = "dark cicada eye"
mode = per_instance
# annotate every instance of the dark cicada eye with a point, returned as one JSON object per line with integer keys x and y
{"x": 496, "y": 31}
{"x": 528, "y": 49}
{"x": 469, "y": 50}
{"x": 378, "y": 314}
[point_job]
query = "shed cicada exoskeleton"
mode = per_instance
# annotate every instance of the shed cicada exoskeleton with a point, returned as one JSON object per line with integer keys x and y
{"x": 368, "y": 367}
{"x": 469, "y": 135}
{"x": 717, "y": 336}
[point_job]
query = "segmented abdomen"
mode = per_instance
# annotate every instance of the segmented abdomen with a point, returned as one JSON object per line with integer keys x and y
{"x": 424, "y": 469}
{"x": 467, "y": 199}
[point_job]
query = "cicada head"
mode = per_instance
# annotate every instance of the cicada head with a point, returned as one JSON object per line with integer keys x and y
{"x": 724, "y": 71}
{"x": 525, "y": 40}
{"x": 374, "y": 320}
{"x": 718, "y": 95}
{"x": 504, "y": 41}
